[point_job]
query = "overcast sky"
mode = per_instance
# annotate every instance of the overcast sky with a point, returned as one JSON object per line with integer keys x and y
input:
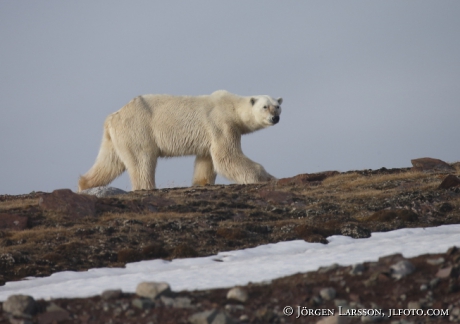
{"x": 366, "y": 84}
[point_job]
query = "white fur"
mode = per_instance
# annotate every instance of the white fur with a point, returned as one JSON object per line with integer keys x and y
{"x": 210, "y": 127}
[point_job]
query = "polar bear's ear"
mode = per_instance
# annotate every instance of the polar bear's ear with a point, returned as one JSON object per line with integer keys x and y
{"x": 280, "y": 101}
{"x": 253, "y": 101}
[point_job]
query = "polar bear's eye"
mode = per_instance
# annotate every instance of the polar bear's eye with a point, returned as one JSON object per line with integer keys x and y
{"x": 265, "y": 107}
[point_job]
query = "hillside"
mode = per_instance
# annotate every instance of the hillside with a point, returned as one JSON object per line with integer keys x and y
{"x": 43, "y": 233}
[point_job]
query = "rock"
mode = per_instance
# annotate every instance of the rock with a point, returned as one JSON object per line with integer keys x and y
{"x": 53, "y": 314}
{"x": 453, "y": 286}
{"x": 327, "y": 293}
{"x": 452, "y": 250}
{"x": 19, "y": 305}
{"x": 305, "y": 178}
{"x": 265, "y": 315}
{"x": 445, "y": 272}
{"x": 179, "y": 302}
{"x": 102, "y": 192}
{"x": 354, "y": 298}
{"x": 13, "y": 222}
{"x": 143, "y": 303}
{"x": 392, "y": 258}
{"x": 336, "y": 319}
{"x": 434, "y": 282}
{"x": 402, "y": 269}
{"x": 357, "y": 269}
{"x": 153, "y": 289}
{"x": 454, "y": 315}
{"x": 355, "y": 231}
{"x": 20, "y": 321}
{"x": 210, "y": 317}
{"x": 68, "y": 203}
{"x": 435, "y": 262}
{"x": 341, "y": 302}
{"x": 414, "y": 305}
{"x": 332, "y": 267}
{"x": 449, "y": 182}
{"x": 232, "y": 308}
{"x": 111, "y": 294}
{"x": 237, "y": 294}
{"x": 430, "y": 164}
{"x": 372, "y": 319}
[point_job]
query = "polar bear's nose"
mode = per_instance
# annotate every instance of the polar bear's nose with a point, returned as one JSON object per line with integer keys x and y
{"x": 275, "y": 119}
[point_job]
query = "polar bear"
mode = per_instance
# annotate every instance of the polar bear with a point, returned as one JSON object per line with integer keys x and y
{"x": 208, "y": 126}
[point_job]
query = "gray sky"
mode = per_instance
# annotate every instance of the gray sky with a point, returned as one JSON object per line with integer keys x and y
{"x": 366, "y": 84}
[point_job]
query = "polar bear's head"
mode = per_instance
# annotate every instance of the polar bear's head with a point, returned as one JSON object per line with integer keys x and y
{"x": 266, "y": 110}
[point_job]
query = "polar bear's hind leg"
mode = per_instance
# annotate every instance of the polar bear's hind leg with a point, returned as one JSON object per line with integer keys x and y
{"x": 141, "y": 170}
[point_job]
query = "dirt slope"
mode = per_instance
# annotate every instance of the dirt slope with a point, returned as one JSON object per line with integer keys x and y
{"x": 39, "y": 235}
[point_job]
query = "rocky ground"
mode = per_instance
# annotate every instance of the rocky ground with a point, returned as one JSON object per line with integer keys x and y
{"x": 42, "y": 233}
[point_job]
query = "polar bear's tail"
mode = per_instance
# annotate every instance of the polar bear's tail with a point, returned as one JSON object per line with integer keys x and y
{"x": 107, "y": 167}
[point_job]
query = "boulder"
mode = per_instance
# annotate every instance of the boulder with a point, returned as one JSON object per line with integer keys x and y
{"x": 68, "y": 203}
{"x": 53, "y": 314}
{"x": 327, "y": 293}
{"x": 20, "y": 305}
{"x": 102, "y": 192}
{"x": 210, "y": 317}
{"x": 401, "y": 269}
{"x": 430, "y": 164}
{"x": 153, "y": 290}
{"x": 237, "y": 294}
{"x": 449, "y": 182}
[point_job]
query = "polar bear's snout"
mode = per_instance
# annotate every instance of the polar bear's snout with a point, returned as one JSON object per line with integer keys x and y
{"x": 275, "y": 119}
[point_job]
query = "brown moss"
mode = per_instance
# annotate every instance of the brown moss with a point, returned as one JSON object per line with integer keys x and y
{"x": 53, "y": 257}
{"x": 391, "y": 215}
{"x": 154, "y": 251}
{"x": 231, "y": 233}
{"x": 69, "y": 247}
{"x": 4, "y": 234}
{"x": 309, "y": 234}
{"x": 184, "y": 251}
{"x": 16, "y": 204}
{"x": 128, "y": 255}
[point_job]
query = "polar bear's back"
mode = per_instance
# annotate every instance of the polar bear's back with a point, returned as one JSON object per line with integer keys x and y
{"x": 178, "y": 125}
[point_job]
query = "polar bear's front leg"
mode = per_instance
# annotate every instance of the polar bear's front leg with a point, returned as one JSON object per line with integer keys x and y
{"x": 230, "y": 162}
{"x": 204, "y": 171}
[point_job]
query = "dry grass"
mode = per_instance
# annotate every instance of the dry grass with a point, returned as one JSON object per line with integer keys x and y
{"x": 351, "y": 192}
{"x": 142, "y": 217}
{"x": 354, "y": 180}
{"x": 19, "y": 203}
{"x": 38, "y": 233}
{"x": 363, "y": 194}
{"x": 456, "y": 165}
{"x": 341, "y": 180}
